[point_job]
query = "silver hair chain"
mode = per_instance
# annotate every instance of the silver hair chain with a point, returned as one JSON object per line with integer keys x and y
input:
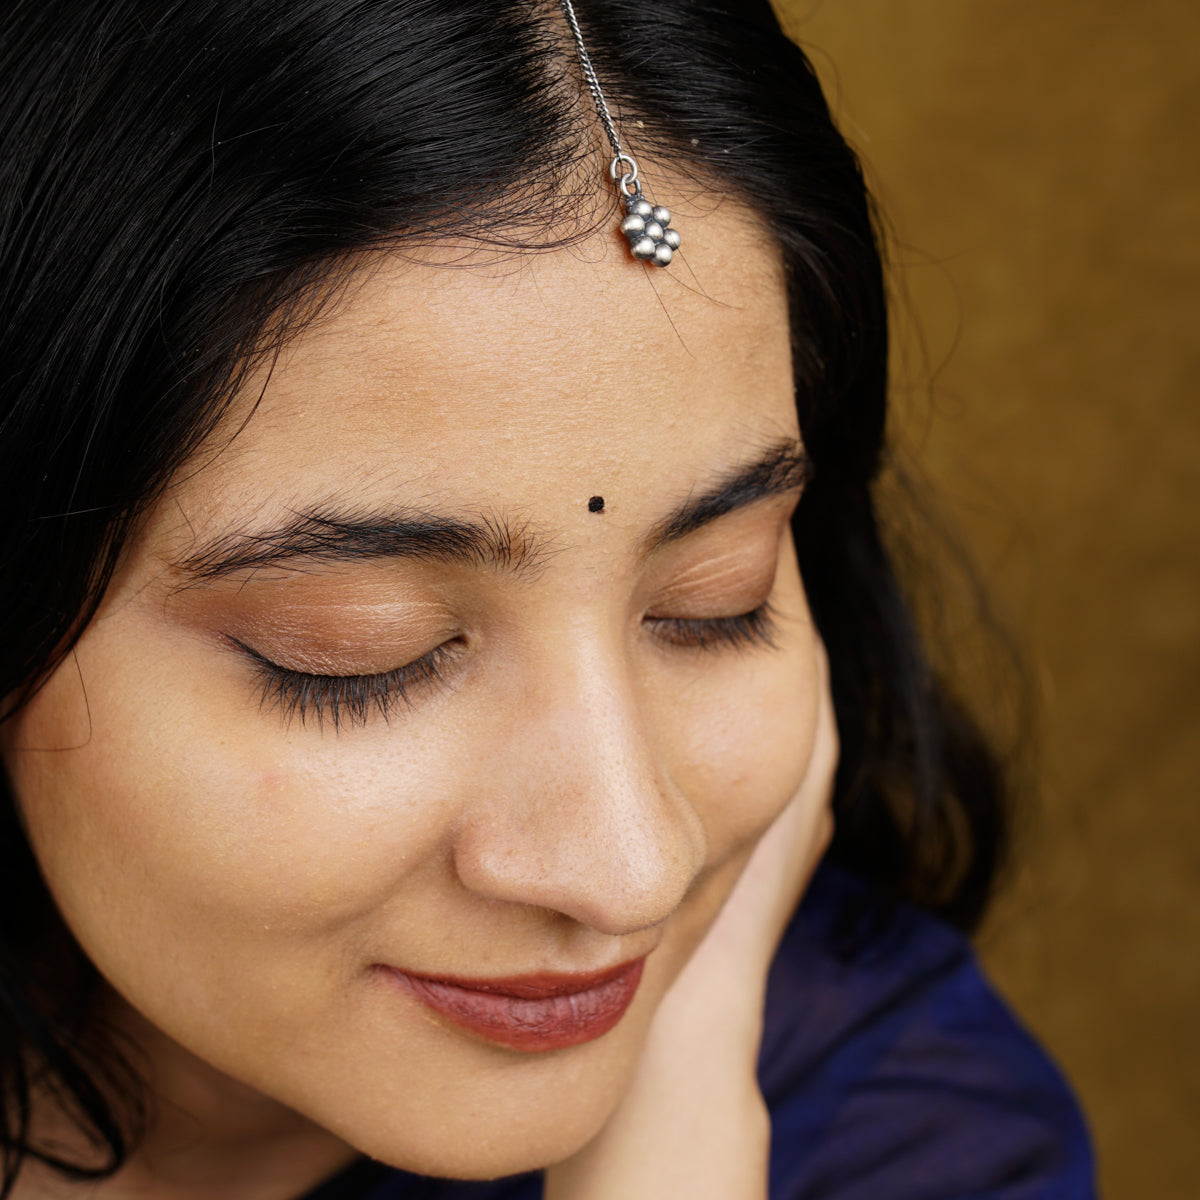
{"x": 646, "y": 225}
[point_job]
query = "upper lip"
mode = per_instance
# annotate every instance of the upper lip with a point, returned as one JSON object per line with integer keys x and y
{"x": 534, "y": 986}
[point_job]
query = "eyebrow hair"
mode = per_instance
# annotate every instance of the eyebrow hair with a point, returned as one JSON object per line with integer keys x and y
{"x": 334, "y": 536}
{"x": 785, "y": 467}
{"x": 331, "y": 535}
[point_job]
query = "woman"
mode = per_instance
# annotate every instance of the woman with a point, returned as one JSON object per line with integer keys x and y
{"x": 417, "y": 734}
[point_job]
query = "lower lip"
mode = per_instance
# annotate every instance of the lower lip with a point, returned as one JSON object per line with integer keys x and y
{"x": 533, "y": 1012}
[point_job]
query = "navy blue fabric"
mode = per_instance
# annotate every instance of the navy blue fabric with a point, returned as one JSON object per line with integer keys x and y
{"x": 891, "y": 1069}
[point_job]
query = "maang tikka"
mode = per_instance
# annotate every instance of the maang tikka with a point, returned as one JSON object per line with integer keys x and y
{"x": 646, "y": 225}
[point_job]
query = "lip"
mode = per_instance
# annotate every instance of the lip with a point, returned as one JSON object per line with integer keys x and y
{"x": 530, "y": 1013}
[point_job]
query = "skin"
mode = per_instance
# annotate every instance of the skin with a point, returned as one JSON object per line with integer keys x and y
{"x": 580, "y": 788}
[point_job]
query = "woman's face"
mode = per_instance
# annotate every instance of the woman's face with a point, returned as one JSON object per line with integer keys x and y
{"x": 383, "y": 694}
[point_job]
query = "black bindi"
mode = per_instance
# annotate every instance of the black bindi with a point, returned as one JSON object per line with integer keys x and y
{"x": 596, "y": 504}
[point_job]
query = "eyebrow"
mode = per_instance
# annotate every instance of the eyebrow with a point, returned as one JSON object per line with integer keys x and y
{"x": 494, "y": 542}
{"x": 331, "y": 535}
{"x": 783, "y": 468}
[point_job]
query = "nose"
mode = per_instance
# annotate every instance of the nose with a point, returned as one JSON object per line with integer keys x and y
{"x": 578, "y": 815}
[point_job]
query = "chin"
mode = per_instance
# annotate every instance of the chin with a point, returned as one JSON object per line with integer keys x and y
{"x": 473, "y": 1112}
{"x": 491, "y": 1146}
{"x": 486, "y": 1160}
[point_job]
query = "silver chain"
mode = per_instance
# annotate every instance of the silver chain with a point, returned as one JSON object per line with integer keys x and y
{"x": 593, "y": 84}
{"x": 646, "y": 225}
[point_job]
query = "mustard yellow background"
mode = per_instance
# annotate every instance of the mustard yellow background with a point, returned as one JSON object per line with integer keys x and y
{"x": 1040, "y": 162}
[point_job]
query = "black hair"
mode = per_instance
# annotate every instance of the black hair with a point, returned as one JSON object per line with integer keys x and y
{"x": 179, "y": 179}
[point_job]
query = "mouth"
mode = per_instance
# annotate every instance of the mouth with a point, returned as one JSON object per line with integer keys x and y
{"x": 530, "y": 1013}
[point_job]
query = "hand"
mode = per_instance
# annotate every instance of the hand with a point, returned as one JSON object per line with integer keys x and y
{"x": 693, "y": 1122}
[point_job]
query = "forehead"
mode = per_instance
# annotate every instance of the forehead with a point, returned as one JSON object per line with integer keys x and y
{"x": 449, "y": 379}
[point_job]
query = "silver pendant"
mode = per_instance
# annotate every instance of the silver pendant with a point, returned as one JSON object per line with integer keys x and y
{"x": 648, "y": 228}
{"x": 646, "y": 225}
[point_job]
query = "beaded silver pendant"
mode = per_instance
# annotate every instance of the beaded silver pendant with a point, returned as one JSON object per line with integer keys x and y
{"x": 648, "y": 228}
{"x": 646, "y": 225}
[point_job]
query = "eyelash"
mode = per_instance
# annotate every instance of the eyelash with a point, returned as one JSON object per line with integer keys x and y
{"x": 345, "y": 698}
{"x": 755, "y": 628}
{"x": 352, "y": 699}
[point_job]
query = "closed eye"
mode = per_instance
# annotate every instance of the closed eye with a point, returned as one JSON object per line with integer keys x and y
{"x": 345, "y": 699}
{"x": 754, "y": 628}
{"x": 353, "y": 699}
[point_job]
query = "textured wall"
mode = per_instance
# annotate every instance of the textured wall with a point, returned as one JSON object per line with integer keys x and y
{"x": 1041, "y": 165}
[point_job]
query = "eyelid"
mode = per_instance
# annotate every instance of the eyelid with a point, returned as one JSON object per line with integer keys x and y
{"x": 719, "y": 594}
{"x": 732, "y": 568}
{"x": 722, "y": 601}
{"x": 340, "y": 698}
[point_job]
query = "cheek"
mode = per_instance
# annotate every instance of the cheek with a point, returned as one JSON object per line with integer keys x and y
{"x": 161, "y": 824}
{"x": 741, "y": 740}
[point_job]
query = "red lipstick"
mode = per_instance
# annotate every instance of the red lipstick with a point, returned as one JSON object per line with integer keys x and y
{"x": 530, "y": 1012}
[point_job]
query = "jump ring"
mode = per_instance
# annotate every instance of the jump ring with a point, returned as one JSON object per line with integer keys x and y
{"x": 627, "y": 177}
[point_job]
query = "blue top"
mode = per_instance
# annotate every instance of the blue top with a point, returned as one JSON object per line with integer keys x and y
{"x": 890, "y": 1067}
